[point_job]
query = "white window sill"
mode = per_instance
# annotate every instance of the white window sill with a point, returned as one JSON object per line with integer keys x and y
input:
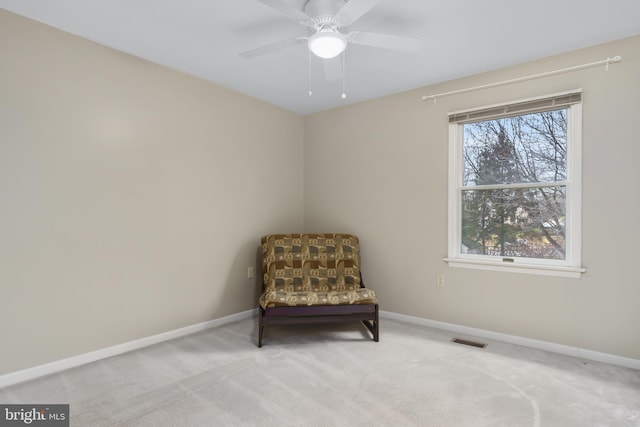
{"x": 543, "y": 270}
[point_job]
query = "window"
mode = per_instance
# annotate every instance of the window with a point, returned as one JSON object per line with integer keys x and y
{"x": 514, "y": 186}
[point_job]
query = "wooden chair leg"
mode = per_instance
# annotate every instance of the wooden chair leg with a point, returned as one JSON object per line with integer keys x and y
{"x": 260, "y": 327}
{"x": 376, "y": 334}
{"x": 373, "y": 326}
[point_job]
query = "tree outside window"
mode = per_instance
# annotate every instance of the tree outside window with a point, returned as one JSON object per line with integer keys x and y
{"x": 513, "y": 200}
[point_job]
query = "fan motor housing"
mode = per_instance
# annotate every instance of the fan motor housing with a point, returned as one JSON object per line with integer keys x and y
{"x": 316, "y": 8}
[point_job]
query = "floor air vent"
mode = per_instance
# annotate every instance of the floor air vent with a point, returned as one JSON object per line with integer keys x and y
{"x": 469, "y": 343}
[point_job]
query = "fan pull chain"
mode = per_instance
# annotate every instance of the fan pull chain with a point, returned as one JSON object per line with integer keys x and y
{"x": 309, "y": 74}
{"x": 344, "y": 73}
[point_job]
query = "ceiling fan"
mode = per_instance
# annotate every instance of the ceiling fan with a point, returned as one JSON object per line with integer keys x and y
{"x": 325, "y": 18}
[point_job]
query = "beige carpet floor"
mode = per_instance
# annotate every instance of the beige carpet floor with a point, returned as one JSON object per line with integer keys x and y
{"x": 333, "y": 375}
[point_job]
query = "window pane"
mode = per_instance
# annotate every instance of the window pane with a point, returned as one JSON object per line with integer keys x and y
{"x": 511, "y": 150}
{"x": 520, "y": 222}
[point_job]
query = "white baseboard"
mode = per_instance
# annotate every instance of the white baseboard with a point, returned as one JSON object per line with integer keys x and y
{"x": 581, "y": 353}
{"x": 82, "y": 359}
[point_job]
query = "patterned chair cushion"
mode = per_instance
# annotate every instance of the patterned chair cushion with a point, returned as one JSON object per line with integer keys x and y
{"x": 312, "y": 269}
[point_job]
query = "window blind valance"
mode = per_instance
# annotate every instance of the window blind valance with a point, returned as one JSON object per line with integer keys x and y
{"x": 527, "y": 106}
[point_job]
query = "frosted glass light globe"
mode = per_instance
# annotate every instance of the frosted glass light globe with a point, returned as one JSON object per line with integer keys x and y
{"x": 327, "y": 44}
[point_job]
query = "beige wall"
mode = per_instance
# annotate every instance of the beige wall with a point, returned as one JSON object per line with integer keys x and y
{"x": 379, "y": 169}
{"x": 132, "y": 197}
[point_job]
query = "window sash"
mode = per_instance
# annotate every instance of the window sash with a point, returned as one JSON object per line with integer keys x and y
{"x": 518, "y": 185}
{"x": 486, "y": 232}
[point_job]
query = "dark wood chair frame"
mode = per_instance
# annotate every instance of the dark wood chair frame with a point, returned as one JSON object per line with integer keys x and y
{"x": 365, "y": 313}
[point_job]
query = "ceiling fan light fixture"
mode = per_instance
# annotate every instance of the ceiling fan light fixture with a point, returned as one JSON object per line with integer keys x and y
{"x": 327, "y": 44}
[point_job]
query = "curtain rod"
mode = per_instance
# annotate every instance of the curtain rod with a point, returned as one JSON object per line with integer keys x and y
{"x": 525, "y": 78}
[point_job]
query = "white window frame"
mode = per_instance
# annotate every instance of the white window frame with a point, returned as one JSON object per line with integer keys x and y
{"x": 571, "y": 265}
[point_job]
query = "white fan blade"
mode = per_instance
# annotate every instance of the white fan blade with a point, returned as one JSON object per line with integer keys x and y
{"x": 352, "y": 10}
{"x": 271, "y": 47}
{"x": 386, "y": 41}
{"x": 288, "y": 10}
{"x": 332, "y": 68}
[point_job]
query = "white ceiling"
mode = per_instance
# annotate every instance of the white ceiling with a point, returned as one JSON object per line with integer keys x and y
{"x": 462, "y": 37}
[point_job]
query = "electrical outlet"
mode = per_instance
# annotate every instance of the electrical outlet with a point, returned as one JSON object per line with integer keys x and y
{"x": 250, "y": 273}
{"x": 440, "y": 280}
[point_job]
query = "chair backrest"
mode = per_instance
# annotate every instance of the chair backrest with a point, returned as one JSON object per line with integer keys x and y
{"x": 311, "y": 262}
